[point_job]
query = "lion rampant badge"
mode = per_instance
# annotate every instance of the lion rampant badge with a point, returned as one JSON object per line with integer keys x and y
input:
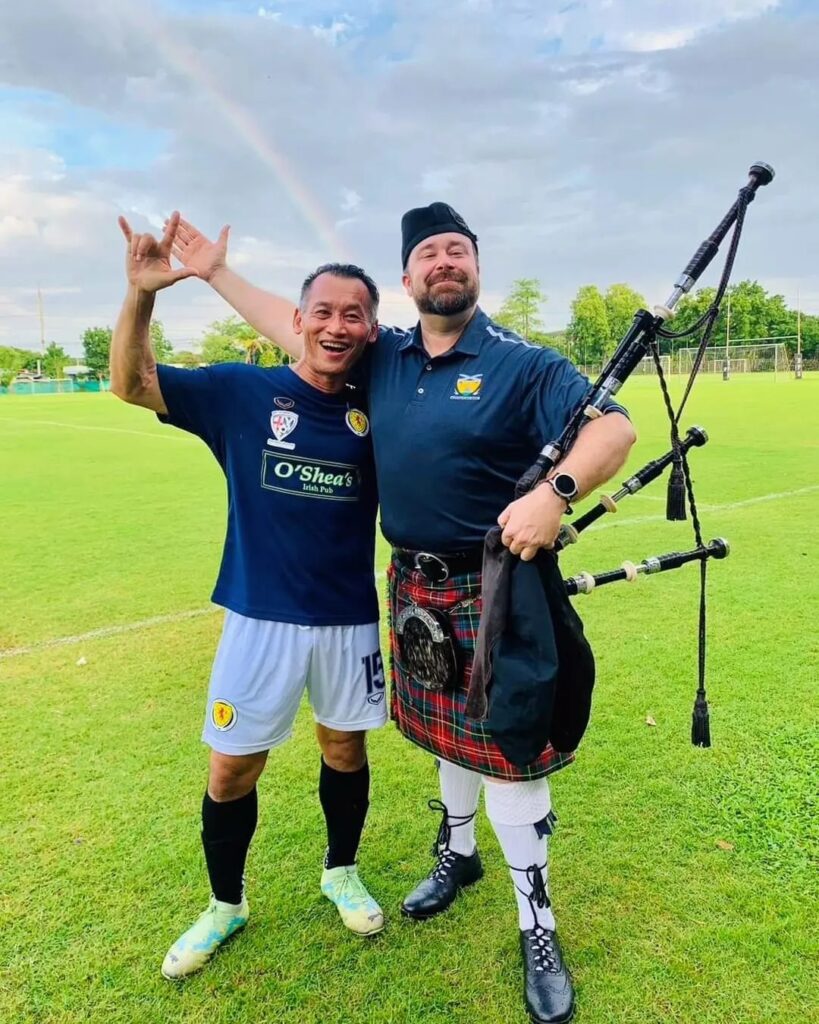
{"x": 223, "y": 715}
{"x": 357, "y": 422}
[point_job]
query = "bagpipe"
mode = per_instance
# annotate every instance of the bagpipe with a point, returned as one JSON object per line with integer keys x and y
{"x": 501, "y": 622}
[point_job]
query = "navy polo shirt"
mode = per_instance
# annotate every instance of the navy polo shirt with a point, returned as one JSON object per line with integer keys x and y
{"x": 452, "y": 434}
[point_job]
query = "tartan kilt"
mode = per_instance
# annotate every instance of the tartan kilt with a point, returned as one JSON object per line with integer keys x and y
{"x": 435, "y": 719}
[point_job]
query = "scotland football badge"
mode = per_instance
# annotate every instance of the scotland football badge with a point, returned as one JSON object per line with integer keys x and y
{"x": 357, "y": 422}
{"x": 282, "y": 423}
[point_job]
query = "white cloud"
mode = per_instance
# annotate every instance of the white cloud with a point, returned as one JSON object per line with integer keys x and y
{"x": 350, "y": 200}
{"x": 335, "y": 32}
{"x": 572, "y": 166}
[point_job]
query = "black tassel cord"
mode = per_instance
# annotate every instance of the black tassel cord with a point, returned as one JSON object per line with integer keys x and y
{"x": 680, "y": 486}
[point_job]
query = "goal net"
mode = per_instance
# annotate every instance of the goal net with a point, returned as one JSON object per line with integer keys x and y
{"x": 647, "y": 365}
{"x": 741, "y": 359}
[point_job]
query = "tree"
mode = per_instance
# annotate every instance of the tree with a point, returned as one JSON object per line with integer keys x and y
{"x": 689, "y": 309}
{"x": 520, "y": 311}
{"x": 216, "y": 348}
{"x": 754, "y": 314}
{"x": 272, "y": 355}
{"x": 13, "y": 360}
{"x": 163, "y": 349}
{"x": 226, "y": 341}
{"x": 622, "y": 302}
{"x": 96, "y": 343}
{"x": 588, "y": 331}
{"x": 810, "y": 337}
{"x": 55, "y": 360}
{"x": 190, "y": 360}
{"x": 232, "y": 340}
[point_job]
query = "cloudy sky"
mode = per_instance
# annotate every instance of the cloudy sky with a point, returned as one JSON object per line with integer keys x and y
{"x": 586, "y": 141}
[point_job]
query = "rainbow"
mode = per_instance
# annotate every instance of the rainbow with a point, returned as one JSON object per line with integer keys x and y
{"x": 185, "y": 62}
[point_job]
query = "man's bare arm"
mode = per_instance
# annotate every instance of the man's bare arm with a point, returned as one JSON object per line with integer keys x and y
{"x": 271, "y": 315}
{"x": 133, "y": 366}
{"x": 601, "y": 448}
{"x": 148, "y": 269}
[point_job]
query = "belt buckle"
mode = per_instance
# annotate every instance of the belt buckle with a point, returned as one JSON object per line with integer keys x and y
{"x": 432, "y": 567}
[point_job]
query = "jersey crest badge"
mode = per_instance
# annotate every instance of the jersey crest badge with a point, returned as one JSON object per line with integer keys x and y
{"x": 282, "y": 423}
{"x": 468, "y": 386}
{"x": 357, "y": 422}
{"x": 223, "y": 715}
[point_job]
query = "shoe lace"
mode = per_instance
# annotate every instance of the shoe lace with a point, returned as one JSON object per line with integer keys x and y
{"x": 448, "y": 822}
{"x": 443, "y": 866}
{"x": 352, "y": 888}
{"x": 445, "y": 858}
{"x": 544, "y": 954}
{"x": 537, "y": 894}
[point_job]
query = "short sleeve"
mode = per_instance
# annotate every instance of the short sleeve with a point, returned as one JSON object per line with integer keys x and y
{"x": 197, "y": 400}
{"x": 554, "y": 394}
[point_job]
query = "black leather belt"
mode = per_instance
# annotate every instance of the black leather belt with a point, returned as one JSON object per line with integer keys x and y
{"x": 437, "y": 568}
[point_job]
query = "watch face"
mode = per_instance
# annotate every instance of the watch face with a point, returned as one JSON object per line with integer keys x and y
{"x": 565, "y": 485}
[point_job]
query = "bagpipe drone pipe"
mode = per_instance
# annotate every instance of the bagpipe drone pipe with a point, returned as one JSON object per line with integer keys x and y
{"x": 521, "y": 702}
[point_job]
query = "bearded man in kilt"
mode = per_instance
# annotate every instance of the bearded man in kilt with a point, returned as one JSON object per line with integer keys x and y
{"x": 459, "y": 408}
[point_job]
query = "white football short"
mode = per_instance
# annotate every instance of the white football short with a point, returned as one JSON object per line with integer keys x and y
{"x": 262, "y": 669}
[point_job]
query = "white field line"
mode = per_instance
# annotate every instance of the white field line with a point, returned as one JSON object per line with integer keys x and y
{"x": 611, "y": 520}
{"x": 127, "y": 627}
{"x": 104, "y": 631}
{"x": 159, "y": 620}
{"x": 169, "y": 436}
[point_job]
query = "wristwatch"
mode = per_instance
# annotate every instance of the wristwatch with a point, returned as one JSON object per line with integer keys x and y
{"x": 565, "y": 486}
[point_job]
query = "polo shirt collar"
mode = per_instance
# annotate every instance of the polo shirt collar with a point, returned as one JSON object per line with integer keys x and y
{"x": 469, "y": 343}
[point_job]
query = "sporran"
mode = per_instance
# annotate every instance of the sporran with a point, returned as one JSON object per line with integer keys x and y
{"x": 428, "y": 648}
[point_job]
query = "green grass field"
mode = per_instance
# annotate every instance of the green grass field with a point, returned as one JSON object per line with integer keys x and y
{"x": 683, "y": 879}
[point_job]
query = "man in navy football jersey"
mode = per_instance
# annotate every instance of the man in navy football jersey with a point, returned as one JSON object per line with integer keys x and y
{"x": 297, "y": 576}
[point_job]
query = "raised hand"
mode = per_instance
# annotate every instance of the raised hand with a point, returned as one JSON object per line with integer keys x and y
{"x": 148, "y": 261}
{"x": 197, "y": 252}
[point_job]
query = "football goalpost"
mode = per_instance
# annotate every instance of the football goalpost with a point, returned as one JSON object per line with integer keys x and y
{"x": 646, "y": 365}
{"x": 757, "y": 357}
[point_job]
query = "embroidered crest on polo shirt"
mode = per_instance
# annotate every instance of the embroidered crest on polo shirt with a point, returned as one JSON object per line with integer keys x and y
{"x": 223, "y": 715}
{"x": 468, "y": 387}
{"x": 357, "y": 422}
{"x": 282, "y": 424}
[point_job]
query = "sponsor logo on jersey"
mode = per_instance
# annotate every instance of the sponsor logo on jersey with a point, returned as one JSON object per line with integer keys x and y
{"x": 468, "y": 386}
{"x": 284, "y": 403}
{"x": 282, "y": 424}
{"x": 357, "y": 422}
{"x": 310, "y": 478}
{"x": 223, "y": 715}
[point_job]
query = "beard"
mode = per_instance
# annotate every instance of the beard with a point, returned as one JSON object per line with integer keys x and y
{"x": 450, "y": 302}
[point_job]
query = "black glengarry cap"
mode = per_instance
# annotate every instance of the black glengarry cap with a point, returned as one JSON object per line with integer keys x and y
{"x": 425, "y": 221}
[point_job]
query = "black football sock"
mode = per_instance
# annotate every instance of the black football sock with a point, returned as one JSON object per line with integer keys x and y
{"x": 345, "y": 797}
{"x": 227, "y": 829}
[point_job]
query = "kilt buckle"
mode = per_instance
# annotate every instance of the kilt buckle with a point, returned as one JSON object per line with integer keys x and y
{"x": 431, "y": 567}
{"x": 428, "y": 647}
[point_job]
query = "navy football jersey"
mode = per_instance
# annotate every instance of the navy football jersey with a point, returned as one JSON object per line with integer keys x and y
{"x": 302, "y": 498}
